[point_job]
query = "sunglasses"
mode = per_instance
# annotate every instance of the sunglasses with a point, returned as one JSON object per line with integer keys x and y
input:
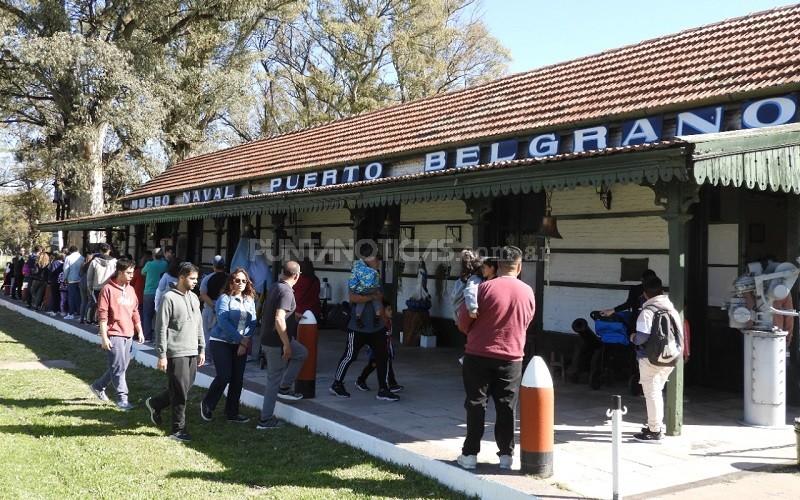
{"x": 237, "y": 280}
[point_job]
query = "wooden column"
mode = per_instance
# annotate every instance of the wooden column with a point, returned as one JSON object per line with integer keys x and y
{"x": 478, "y": 209}
{"x": 677, "y": 197}
{"x": 278, "y": 232}
{"x": 219, "y": 227}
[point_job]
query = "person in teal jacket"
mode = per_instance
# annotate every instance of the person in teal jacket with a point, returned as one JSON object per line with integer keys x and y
{"x": 228, "y": 343}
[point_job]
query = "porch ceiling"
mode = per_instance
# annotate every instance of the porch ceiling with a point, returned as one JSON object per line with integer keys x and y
{"x": 766, "y": 158}
{"x": 639, "y": 164}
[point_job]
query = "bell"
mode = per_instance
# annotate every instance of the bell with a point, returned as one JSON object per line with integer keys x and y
{"x": 548, "y": 228}
{"x": 387, "y": 228}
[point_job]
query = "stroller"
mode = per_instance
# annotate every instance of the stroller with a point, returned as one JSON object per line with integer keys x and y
{"x": 612, "y": 352}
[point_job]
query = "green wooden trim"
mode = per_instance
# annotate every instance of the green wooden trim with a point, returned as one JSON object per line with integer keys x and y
{"x": 611, "y": 215}
{"x": 611, "y": 251}
{"x": 649, "y": 166}
{"x": 760, "y": 159}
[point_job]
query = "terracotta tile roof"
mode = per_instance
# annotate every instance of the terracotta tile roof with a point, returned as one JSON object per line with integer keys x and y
{"x": 119, "y": 218}
{"x": 708, "y": 64}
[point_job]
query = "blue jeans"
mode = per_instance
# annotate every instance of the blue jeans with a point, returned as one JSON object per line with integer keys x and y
{"x": 74, "y": 299}
{"x": 148, "y": 311}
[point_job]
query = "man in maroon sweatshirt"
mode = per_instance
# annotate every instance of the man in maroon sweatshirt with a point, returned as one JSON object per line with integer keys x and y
{"x": 493, "y": 356}
{"x": 118, "y": 314}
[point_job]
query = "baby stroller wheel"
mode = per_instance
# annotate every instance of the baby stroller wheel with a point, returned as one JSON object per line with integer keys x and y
{"x": 596, "y": 370}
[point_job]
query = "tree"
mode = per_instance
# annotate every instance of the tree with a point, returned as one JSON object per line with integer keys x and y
{"x": 89, "y": 84}
{"x": 336, "y": 59}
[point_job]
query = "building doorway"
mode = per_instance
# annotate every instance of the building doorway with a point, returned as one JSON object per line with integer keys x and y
{"x": 381, "y": 225}
{"x": 731, "y": 227}
{"x": 515, "y": 220}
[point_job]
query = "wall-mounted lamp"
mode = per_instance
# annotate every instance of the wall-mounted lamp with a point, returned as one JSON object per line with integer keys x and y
{"x": 453, "y": 233}
{"x": 605, "y": 194}
{"x": 406, "y": 232}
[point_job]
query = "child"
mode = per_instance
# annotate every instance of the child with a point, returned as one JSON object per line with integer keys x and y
{"x": 62, "y": 288}
{"x": 465, "y": 290}
{"x": 361, "y": 382}
{"x": 365, "y": 280}
{"x": 474, "y": 271}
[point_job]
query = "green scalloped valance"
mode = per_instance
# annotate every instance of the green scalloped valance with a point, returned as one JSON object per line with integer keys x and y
{"x": 762, "y": 159}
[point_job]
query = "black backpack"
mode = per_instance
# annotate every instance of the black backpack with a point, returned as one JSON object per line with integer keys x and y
{"x": 665, "y": 345}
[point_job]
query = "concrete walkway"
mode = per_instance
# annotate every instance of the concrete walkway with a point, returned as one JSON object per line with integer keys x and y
{"x": 425, "y": 430}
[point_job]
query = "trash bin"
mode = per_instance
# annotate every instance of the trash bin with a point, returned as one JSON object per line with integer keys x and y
{"x": 764, "y": 378}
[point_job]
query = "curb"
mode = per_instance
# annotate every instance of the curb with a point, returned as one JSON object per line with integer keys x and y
{"x": 453, "y": 477}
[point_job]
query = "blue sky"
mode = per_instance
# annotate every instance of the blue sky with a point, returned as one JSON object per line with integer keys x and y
{"x": 540, "y": 32}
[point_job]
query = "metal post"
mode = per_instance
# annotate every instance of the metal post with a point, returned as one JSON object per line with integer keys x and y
{"x": 616, "y": 412}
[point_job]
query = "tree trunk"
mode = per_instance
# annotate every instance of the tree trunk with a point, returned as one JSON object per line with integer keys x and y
{"x": 89, "y": 200}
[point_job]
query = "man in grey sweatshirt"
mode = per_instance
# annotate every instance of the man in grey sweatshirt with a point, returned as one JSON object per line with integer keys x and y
{"x": 180, "y": 346}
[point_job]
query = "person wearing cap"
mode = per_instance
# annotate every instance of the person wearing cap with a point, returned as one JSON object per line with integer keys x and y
{"x": 493, "y": 356}
{"x": 152, "y": 272}
{"x": 210, "y": 289}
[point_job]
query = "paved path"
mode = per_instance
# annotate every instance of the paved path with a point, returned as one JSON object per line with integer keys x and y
{"x": 428, "y": 423}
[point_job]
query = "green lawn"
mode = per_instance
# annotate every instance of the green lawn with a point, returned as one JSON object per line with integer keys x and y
{"x": 58, "y": 441}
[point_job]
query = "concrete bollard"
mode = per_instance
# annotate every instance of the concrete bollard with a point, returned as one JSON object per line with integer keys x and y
{"x": 537, "y": 414}
{"x": 308, "y": 335}
{"x": 797, "y": 437}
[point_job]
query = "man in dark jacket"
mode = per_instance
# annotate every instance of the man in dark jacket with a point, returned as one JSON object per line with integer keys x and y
{"x": 18, "y": 264}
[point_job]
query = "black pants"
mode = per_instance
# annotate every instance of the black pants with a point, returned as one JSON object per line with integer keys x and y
{"x": 372, "y": 364}
{"x": 484, "y": 377}
{"x": 55, "y": 297}
{"x": 16, "y": 291}
{"x": 180, "y": 377}
{"x": 230, "y": 372}
{"x": 357, "y": 340}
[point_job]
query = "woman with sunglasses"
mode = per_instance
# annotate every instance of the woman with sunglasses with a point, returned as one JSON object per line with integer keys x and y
{"x": 229, "y": 342}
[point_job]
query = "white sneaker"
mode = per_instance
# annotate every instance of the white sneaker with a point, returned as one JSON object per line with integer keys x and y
{"x": 506, "y": 462}
{"x": 69, "y": 316}
{"x": 468, "y": 462}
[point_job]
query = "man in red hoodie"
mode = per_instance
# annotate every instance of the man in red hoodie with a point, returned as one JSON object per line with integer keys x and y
{"x": 118, "y": 314}
{"x": 493, "y": 356}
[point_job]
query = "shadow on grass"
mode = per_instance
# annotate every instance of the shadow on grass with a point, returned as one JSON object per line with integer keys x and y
{"x": 289, "y": 456}
{"x": 44, "y": 402}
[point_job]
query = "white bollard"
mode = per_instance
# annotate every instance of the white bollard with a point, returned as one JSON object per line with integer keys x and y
{"x": 616, "y": 412}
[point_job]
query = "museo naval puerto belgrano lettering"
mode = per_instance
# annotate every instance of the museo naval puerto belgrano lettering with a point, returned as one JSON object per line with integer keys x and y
{"x": 760, "y": 113}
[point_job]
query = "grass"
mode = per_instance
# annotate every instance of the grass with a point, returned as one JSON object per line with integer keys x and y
{"x": 58, "y": 441}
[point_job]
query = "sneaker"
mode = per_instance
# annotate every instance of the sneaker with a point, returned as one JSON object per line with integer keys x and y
{"x": 270, "y": 423}
{"x": 51, "y": 313}
{"x": 649, "y": 436}
{"x": 101, "y": 394}
{"x": 125, "y": 406}
{"x": 69, "y": 316}
{"x": 506, "y": 461}
{"x": 155, "y": 416}
{"x": 385, "y": 395}
{"x": 180, "y": 436}
{"x": 468, "y": 462}
{"x": 396, "y": 388}
{"x": 362, "y": 386}
{"x": 205, "y": 413}
{"x": 239, "y": 419}
{"x": 289, "y": 395}
{"x": 337, "y": 389}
